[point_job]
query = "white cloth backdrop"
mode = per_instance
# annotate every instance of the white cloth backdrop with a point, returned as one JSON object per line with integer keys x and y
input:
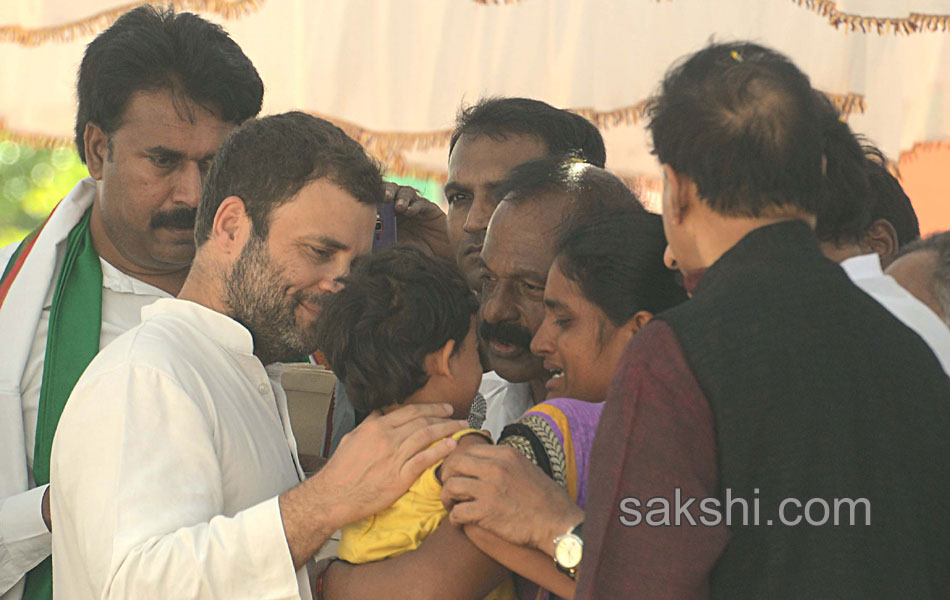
{"x": 394, "y": 72}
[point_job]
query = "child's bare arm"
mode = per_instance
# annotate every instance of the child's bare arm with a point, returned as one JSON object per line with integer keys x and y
{"x": 527, "y": 562}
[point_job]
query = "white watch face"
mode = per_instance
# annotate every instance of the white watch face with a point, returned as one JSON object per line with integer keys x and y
{"x": 568, "y": 551}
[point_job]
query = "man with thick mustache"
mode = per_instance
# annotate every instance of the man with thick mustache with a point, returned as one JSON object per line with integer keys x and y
{"x": 518, "y": 252}
{"x": 490, "y": 139}
{"x": 147, "y": 126}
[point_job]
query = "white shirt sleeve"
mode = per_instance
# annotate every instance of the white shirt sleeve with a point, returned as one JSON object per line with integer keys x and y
{"x": 24, "y": 539}
{"x": 137, "y": 500}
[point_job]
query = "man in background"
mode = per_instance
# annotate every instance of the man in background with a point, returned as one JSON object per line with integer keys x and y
{"x": 864, "y": 222}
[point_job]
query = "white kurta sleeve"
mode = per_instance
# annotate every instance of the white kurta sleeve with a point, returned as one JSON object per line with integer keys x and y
{"x": 137, "y": 500}
{"x": 24, "y": 538}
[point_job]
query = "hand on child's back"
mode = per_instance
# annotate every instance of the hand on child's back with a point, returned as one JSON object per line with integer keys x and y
{"x": 466, "y": 441}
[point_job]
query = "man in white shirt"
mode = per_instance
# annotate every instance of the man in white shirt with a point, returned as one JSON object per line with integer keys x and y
{"x": 174, "y": 470}
{"x": 147, "y": 126}
{"x": 865, "y": 222}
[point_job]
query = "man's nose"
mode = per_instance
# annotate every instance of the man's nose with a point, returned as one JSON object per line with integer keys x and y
{"x": 478, "y": 215}
{"x": 188, "y": 186}
{"x": 329, "y": 286}
{"x": 498, "y": 305}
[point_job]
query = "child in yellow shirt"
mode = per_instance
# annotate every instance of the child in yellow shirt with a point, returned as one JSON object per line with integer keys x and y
{"x": 402, "y": 331}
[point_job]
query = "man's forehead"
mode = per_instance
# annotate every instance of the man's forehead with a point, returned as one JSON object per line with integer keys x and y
{"x": 164, "y": 118}
{"x": 323, "y": 209}
{"x": 481, "y": 158}
{"x": 522, "y": 240}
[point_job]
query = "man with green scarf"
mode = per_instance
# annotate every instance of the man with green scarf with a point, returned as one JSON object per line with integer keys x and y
{"x": 158, "y": 92}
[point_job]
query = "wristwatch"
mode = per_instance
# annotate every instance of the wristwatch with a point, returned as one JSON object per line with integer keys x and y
{"x": 568, "y": 550}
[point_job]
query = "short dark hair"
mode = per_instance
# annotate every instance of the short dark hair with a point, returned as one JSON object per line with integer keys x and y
{"x": 561, "y": 131}
{"x": 396, "y": 307}
{"x": 741, "y": 121}
{"x": 939, "y": 244}
{"x": 267, "y": 161}
{"x": 149, "y": 49}
{"x": 859, "y": 188}
{"x": 889, "y": 201}
{"x": 844, "y": 215}
{"x": 616, "y": 258}
{"x": 589, "y": 188}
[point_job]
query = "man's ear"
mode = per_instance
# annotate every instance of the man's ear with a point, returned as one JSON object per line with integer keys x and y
{"x": 95, "y": 143}
{"x": 437, "y": 363}
{"x": 881, "y": 238}
{"x": 679, "y": 193}
{"x": 231, "y": 227}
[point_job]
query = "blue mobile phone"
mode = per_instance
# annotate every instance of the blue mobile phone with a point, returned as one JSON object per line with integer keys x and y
{"x": 385, "y": 234}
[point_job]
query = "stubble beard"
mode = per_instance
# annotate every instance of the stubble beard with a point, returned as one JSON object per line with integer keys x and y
{"x": 257, "y": 298}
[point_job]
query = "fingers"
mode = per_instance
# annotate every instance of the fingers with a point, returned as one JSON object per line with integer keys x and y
{"x": 460, "y": 489}
{"x": 420, "y": 461}
{"x": 463, "y": 464}
{"x": 406, "y": 200}
{"x": 389, "y": 190}
{"x": 467, "y": 513}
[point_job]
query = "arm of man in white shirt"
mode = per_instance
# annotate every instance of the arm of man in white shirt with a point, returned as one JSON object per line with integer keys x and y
{"x": 138, "y": 501}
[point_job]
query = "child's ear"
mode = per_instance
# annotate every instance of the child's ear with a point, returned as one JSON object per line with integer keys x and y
{"x": 437, "y": 363}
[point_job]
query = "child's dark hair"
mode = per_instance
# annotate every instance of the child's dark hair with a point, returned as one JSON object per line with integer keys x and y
{"x": 396, "y": 307}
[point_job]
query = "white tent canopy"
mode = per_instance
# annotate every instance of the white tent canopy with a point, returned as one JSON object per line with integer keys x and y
{"x": 394, "y": 72}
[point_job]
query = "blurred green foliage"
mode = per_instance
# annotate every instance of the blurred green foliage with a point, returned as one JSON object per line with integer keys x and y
{"x": 31, "y": 183}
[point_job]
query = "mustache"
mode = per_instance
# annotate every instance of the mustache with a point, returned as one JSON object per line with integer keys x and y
{"x": 506, "y": 333}
{"x": 178, "y": 218}
{"x": 300, "y": 297}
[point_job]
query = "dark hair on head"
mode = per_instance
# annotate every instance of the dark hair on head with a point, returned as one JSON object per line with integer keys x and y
{"x": 267, "y": 161}
{"x": 150, "y": 49}
{"x": 845, "y": 211}
{"x": 858, "y": 187}
{"x": 587, "y": 188}
{"x": 616, "y": 258}
{"x": 562, "y": 131}
{"x": 396, "y": 307}
{"x": 888, "y": 199}
{"x": 741, "y": 122}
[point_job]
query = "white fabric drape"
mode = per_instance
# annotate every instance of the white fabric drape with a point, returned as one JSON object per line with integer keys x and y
{"x": 396, "y": 71}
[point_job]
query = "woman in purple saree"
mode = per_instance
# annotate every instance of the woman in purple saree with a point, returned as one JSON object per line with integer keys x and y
{"x": 607, "y": 281}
